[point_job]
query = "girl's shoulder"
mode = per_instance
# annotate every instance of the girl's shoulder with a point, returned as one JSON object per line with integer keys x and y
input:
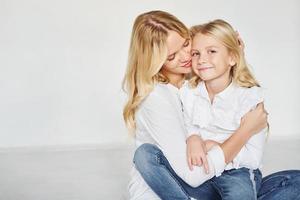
{"x": 249, "y": 98}
{"x": 254, "y": 92}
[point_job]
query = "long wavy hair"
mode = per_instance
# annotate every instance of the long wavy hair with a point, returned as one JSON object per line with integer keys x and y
{"x": 147, "y": 54}
{"x": 223, "y": 32}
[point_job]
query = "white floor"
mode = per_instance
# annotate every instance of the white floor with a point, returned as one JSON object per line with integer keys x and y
{"x": 93, "y": 173}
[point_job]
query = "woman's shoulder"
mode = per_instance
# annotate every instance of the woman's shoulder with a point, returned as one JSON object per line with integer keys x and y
{"x": 186, "y": 89}
{"x": 160, "y": 90}
{"x": 158, "y": 95}
{"x": 187, "y": 92}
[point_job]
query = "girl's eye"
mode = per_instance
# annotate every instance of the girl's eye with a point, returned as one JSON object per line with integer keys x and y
{"x": 187, "y": 42}
{"x": 194, "y": 54}
{"x": 212, "y": 51}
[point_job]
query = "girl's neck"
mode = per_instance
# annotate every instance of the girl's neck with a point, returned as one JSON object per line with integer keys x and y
{"x": 216, "y": 86}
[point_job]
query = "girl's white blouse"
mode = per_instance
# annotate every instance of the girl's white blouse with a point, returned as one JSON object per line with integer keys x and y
{"x": 221, "y": 118}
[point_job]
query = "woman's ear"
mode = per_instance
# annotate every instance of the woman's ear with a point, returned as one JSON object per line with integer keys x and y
{"x": 232, "y": 60}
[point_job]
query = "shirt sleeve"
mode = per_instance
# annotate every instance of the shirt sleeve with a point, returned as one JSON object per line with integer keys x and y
{"x": 187, "y": 101}
{"x": 161, "y": 120}
{"x": 251, "y": 154}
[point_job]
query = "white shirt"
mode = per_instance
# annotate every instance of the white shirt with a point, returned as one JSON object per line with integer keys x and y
{"x": 219, "y": 120}
{"x": 159, "y": 121}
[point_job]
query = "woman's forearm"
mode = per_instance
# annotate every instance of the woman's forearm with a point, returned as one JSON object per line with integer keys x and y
{"x": 252, "y": 122}
{"x": 232, "y": 146}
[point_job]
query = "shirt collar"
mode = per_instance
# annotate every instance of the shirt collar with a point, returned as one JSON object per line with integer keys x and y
{"x": 202, "y": 91}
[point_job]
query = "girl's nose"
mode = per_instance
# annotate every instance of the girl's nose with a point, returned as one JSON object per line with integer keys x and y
{"x": 202, "y": 59}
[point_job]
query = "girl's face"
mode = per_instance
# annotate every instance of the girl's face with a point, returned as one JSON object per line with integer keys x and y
{"x": 210, "y": 58}
{"x": 179, "y": 57}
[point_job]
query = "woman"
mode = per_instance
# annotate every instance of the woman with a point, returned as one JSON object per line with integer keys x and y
{"x": 159, "y": 60}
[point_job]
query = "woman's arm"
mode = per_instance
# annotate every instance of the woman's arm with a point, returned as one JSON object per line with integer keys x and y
{"x": 251, "y": 154}
{"x": 251, "y": 123}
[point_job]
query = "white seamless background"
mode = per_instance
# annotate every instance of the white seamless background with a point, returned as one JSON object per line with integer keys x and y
{"x": 62, "y": 63}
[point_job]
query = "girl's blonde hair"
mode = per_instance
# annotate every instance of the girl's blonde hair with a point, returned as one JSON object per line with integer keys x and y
{"x": 223, "y": 32}
{"x": 147, "y": 54}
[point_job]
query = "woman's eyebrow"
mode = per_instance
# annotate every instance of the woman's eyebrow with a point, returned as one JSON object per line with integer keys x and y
{"x": 179, "y": 49}
{"x": 172, "y": 54}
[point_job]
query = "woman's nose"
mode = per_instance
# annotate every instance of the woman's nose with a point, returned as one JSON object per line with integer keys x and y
{"x": 185, "y": 54}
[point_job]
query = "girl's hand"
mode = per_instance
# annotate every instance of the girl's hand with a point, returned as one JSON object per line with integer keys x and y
{"x": 255, "y": 120}
{"x": 196, "y": 152}
{"x": 210, "y": 143}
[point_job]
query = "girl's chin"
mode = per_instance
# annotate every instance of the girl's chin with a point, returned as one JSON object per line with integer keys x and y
{"x": 205, "y": 78}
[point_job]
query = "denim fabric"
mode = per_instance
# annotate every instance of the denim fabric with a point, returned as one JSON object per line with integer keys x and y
{"x": 280, "y": 186}
{"x": 237, "y": 184}
{"x": 233, "y": 184}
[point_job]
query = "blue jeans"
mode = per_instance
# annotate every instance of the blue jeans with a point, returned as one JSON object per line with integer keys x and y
{"x": 280, "y": 186}
{"x": 232, "y": 184}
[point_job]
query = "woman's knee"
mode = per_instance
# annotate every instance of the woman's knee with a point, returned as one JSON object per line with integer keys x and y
{"x": 145, "y": 154}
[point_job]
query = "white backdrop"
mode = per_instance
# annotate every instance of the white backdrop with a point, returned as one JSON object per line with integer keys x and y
{"x": 62, "y": 64}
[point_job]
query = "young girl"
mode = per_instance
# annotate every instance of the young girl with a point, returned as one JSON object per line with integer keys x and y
{"x": 214, "y": 101}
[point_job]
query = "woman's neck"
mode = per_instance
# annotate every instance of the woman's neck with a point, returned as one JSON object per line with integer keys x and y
{"x": 175, "y": 79}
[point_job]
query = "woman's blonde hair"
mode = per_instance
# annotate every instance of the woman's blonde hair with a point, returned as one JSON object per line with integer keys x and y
{"x": 147, "y": 54}
{"x": 223, "y": 32}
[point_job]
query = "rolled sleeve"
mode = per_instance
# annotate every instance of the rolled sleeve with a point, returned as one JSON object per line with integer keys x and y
{"x": 192, "y": 130}
{"x": 217, "y": 157}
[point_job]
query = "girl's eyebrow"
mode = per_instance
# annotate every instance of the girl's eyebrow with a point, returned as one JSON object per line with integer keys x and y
{"x": 208, "y": 47}
{"x": 212, "y": 46}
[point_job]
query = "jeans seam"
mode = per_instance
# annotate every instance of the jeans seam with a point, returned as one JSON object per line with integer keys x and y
{"x": 252, "y": 179}
{"x": 217, "y": 187}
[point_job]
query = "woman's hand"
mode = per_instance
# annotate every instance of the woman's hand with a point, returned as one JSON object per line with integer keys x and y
{"x": 210, "y": 143}
{"x": 241, "y": 42}
{"x": 255, "y": 120}
{"x": 196, "y": 152}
